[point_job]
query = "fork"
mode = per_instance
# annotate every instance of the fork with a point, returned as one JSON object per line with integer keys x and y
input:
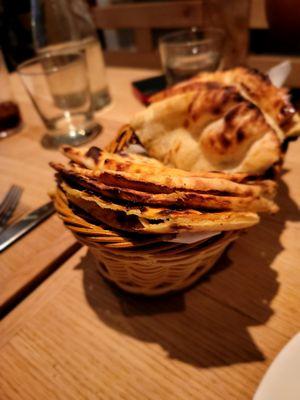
{"x": 9, "y": 204}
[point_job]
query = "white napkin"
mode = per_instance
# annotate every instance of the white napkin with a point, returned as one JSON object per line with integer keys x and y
{"x": 193, "y": 237}
{"x": 136, "y": 149}
{"x": 279, "y": 73}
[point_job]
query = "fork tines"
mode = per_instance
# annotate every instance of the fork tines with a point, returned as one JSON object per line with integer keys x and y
{"x": 9, "y": 204}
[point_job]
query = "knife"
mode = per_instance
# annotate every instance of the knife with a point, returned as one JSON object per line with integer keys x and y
{"x": 20, "y": 228}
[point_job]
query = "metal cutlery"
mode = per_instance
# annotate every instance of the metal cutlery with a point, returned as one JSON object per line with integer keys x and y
{"x": 9, "y": 204}
{"x": 17, "y": 230}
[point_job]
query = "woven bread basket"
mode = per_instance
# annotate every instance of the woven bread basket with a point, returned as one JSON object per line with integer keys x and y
{"x": 142, "y": 264}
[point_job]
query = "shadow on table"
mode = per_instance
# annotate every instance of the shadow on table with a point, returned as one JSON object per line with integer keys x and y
{"x": 206, "y": 325}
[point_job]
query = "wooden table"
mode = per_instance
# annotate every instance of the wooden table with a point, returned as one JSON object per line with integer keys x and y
{"x": 76, "y": 337}
{"x": 25, "y": 162}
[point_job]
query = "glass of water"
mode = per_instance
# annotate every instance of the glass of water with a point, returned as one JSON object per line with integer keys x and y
{"x": 185, "y": 53}
{"x": 58, "y": 86}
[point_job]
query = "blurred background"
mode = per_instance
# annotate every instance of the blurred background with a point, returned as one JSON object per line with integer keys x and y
{"x": 261, "y": 33}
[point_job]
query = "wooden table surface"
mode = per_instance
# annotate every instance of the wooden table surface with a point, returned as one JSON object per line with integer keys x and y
{"x": 25, "y": 162}
{"x": 76, "y": 337}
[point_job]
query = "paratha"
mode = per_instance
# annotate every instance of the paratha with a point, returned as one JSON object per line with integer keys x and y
{"x": 127, "y": 162}
{"x": 151, "y": 183}
{"x": 156, "y": 220}
{"x": 178, "y": 199}
{"x": 96, "y": 158}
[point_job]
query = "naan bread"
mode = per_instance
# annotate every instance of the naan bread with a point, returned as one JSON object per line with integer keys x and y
{"x": 156, "y": 220}
{"x": 255, "y": 87}
{"x": 224, "y": 133}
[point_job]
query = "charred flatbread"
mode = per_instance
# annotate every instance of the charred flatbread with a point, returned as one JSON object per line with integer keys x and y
{"x": 239, "y": 141}
{"x": 254, "y": 86}
{"x": 156, "y": 220}
{"x": 153, "y": 183}
{"x": 179, "y": 199}
{"x": 126, "y": 162}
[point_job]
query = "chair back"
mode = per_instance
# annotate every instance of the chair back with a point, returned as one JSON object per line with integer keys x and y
{"x": 144, "y": 17}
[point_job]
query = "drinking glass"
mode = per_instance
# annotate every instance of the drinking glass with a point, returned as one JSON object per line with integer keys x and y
{"x": 58, "y": 86}
{"x": 10, "y": 116}
{"x": 187, "y": 52}
{"x": 67, "y": 25}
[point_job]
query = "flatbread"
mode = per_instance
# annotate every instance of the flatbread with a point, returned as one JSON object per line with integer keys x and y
{"x": 255, "y": 87}
{"x": 153, "y": 183}
{"x": 178, "y": 199}
{"x": 124, "y": 161}
{"x": 208, "y": 141}
{"x": 156, "y": 220}
{"x": 96, "y": 158}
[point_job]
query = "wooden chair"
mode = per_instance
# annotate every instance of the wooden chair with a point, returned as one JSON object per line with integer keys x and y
{"x": 264, "y": 62}
{"x": 236, "y": 17}
{"x": 231, "y": 15}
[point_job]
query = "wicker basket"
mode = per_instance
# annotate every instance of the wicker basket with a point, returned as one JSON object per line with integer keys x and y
{"x": 143, "y": 264}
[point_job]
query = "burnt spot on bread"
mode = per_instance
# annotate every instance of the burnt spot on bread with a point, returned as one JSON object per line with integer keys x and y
{"x": 118, "y": 166}
{"x": 126, "y": 136}
{"x": 186, "y": 123}
{"x": 155, "y": 221}
{"x": 250, "y": 91}
{"x": 212, "y": 141}
{"x": 166, "y": 212}
{"x": 94, "y": 153}
{"x": 231, "y": 115}
{"x": 67, "y": 149}
{"x": 142, "y": 208}
{"x": 229, "y": 141}
{"x": 273, "y": 101}
{"x": 213, "y": 99}
{"x": 259, "y": 75}
{"x": 252, "y": 106}
{"x": 216, "y": 110}
{"x": 147, "y": 187}
{"x": 124, "y": 221}
{"x": 225, "y": 140}
{"x": 119, "y": 180}
{"x": 240, "y": 135}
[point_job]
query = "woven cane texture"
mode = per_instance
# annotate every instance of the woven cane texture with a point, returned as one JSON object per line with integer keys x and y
{"x": 163, "y": 269}
{"x": 142, "y": 264}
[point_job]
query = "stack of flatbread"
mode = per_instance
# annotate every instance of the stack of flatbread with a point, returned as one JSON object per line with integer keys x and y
{"x": 135, "y": 193}
{"x": 211, "y": 144}
{"x": 233, "y": 120}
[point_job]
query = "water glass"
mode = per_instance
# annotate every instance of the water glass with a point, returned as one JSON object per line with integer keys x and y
{"x": 58, "y": 86}
{"x": 10, "y": 116}
{"x": 68, "y": 25}
{"x": 188, "y": 52}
